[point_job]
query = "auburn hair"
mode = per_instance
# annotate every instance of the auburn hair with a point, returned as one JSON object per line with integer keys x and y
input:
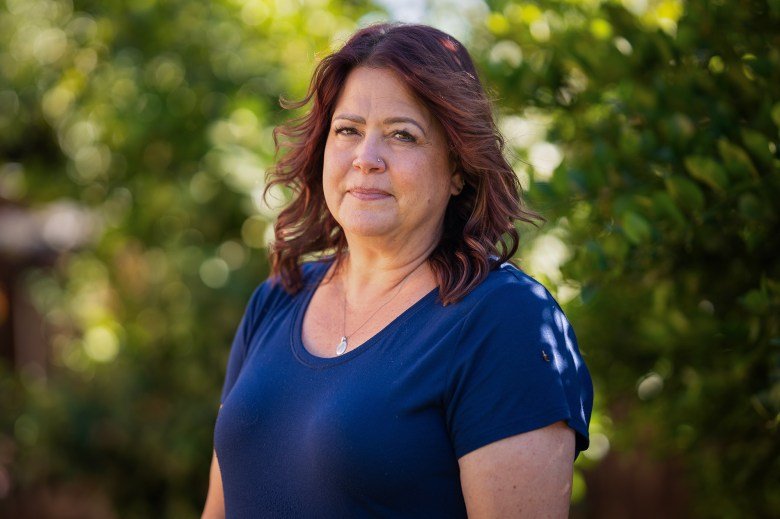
{"x": 479, "y": 224}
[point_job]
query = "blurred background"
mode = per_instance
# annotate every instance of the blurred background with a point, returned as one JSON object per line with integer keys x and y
{"x": 134, "y": 137}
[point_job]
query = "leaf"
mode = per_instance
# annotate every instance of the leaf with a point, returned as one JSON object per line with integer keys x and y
{"x": 707, "y": 171}
{"x": 635, "y": 226}
{"x": 775, "y": 113}
{"x": 736, "y": 160}
{"x": 758, "y": 146}
{"x": 755, "y": 301}
{"x": 750, "y": 207}
{"x": 685, "y": 193}
{"x": 595, "y": 255}
{"x": 664, "y": 207}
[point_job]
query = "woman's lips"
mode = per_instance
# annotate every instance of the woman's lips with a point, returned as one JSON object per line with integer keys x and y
{"x": 369, "y": 194}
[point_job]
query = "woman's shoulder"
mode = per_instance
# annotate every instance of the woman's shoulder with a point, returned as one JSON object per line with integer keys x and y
{"x": 507, "y": 285}
{"x": 515, "y": 348}
{"x": 271, "y": 291}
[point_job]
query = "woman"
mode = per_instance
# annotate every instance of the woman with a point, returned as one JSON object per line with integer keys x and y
{"x": 411, "y": 371}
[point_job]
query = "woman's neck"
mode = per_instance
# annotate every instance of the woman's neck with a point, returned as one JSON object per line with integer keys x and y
{"x": 368, "y": 275}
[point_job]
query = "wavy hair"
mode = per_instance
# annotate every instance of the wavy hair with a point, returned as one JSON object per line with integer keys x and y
{"x": 479, "y": 224}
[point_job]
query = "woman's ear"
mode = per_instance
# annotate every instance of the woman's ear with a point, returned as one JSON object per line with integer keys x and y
{"x": 456, "y": 183}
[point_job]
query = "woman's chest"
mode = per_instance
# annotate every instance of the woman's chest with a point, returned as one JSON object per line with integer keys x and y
{"x": 374, "y": 424}
{"x": 329, "y": 317}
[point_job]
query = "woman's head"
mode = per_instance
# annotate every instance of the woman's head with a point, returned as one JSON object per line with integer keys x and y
{"x": 478, "y": 223}
{"x": 387, "y": 174}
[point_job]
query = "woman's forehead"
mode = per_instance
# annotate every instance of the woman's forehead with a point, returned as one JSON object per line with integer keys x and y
{"x": 369, "y": 92}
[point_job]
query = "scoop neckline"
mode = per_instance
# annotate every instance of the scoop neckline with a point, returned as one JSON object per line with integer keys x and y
{"x": 307, "y": 358}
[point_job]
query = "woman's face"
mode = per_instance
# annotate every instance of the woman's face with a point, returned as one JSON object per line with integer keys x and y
{"x": 386, "y": 168}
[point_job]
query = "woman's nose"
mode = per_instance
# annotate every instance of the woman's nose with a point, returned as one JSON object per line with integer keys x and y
{"x": 368, "y": 165}
{"x": 368, "y": 158}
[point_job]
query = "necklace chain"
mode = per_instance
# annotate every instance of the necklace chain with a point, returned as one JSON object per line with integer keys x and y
{"x": 344, "y": 342}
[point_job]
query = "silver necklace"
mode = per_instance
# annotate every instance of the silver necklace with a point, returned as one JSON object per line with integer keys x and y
{"x": 344, "y": 342}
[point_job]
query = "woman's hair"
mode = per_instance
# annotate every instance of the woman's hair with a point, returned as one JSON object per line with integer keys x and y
{"x": 479, "y": 223}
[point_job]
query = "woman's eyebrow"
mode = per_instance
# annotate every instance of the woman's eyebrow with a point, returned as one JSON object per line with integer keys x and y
{"x": 350, "y": 117}
{"x": 390, "y": 120}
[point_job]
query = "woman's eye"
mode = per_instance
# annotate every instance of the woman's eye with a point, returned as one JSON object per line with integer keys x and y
{"x": 405, "y": 136}
{"x": 345, "y": 130}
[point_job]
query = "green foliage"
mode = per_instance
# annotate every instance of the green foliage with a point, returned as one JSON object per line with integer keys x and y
{"x": 648, "y": 138}
{"x": 157, "y": 117}
{"x": 667, "y": 199}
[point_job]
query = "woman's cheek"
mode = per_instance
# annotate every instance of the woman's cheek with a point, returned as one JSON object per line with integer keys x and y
{"x": 329, "y": 190}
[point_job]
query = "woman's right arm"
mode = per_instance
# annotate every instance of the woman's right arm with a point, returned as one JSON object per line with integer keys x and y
{"x": 215, "y": 500}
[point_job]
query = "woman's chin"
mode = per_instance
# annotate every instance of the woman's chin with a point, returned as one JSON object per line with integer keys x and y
{"x": 367, "y": 226}
{"x": 367, "y": 231}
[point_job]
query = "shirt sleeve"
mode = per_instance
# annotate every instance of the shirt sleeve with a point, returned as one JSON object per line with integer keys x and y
{"x": 517, "y": 368}
{"x": 241, "y": 339}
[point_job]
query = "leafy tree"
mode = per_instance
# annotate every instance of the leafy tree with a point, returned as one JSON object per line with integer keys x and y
{"x": 666, "y": 120}
{"x": 156, "y": 116}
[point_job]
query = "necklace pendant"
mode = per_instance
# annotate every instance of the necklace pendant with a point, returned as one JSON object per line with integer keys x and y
{"x": 342, "y": 347}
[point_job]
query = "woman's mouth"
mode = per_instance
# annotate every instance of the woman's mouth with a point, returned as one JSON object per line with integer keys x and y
{"x": 368, "y": 194}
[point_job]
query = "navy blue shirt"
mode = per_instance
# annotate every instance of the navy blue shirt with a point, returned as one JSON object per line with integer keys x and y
{"x": 377, "y": 432}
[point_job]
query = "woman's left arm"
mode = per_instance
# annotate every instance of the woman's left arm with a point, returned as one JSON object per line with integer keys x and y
{"x": 528, "y": 475}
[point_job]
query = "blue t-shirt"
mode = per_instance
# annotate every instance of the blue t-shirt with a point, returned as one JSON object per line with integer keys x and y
{"x": 377, "y": 432}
